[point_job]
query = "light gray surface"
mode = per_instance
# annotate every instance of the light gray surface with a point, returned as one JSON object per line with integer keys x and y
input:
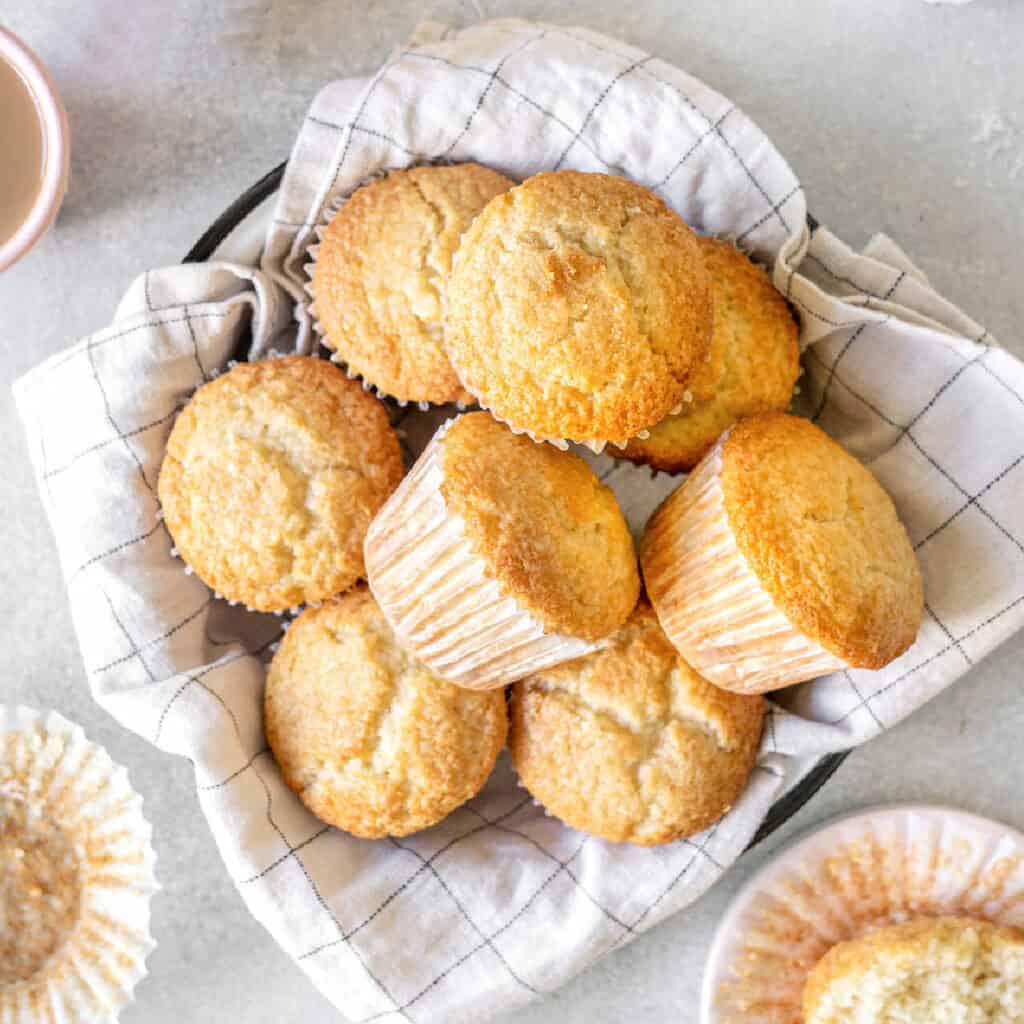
{"x": 897, "y": 115}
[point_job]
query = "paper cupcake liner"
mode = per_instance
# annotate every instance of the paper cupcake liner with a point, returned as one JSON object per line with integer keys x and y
{"x": 710, "y": 603}
{"x": 76, "y": 875}
{"x": 330, "y": 210}
{"x": 862, "y": 872}
{"x": 437, "y": 595}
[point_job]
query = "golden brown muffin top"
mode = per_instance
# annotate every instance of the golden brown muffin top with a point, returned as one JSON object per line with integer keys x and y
{"x": 272, "y": 474}
{"x": 917, "y": 969}
{"x": 753, "y": 365}
{"x": 823, "y": 538}
{"x": 381, "y": 274}
{"x": 549, "y": 531}
{"x": 630, "y": 743}
{"x": 370, "y": 740}
{"x": 579, "y": 306}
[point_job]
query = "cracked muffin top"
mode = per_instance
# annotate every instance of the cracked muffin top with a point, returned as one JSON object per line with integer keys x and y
{"x": 370, "y": 740}
{"x": 753, "y": 365}
{"x": 548, "y": 530}
{"x": 822, "y": 537}
{"x": 579, "y": 307}
{"x": 381, "y": 274}
{"x": 272, "y": 474}
{"x": 630, "y": 743}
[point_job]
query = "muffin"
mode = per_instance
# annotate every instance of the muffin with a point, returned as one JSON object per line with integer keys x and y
{"x": 579, "y": 307}
{"x": 781, "y": 558}
{"x": 370, "y": 740}
{"x": 753, "y": 365}
{"x": 76, "y": 875}
{"x": 381, "y": 273}
{"x": 946, "y": 970}
{"x": 272, "y": 474}
{"x": 629, "y": 743}
{"x": 497, "y": 557}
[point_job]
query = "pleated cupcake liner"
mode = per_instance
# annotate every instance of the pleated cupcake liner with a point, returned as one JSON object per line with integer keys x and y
{"x": 862, "y": 872}
{"x": 711, "y": 604}
{"x": 328, "y": 213}
{"x": 70, "y": 806}
{"x": 439, "y": 597}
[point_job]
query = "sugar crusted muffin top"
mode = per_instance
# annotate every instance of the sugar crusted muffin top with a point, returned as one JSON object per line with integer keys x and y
{"x": 381, "y": 274}
{"x": 371, "y": 740}
{"x": 939, "y": 970}
{"x": 550, "y": 532}
{"x": 272, "y": 474}
{"x": 753, "y": 364}
{"x": 579, "y": 306}
{"x": 631, "y": 744}
{"x": 823, "y": 538}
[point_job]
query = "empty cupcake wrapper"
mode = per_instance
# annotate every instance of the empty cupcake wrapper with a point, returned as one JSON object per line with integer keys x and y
{"x": 710, "y": 603}
{"x": 437, "y": 595}
{"x": 859, "y": 873}
{"x": 76, "y": 875}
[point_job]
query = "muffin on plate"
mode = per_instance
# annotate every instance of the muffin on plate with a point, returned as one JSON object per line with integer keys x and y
{"x": 381, "y": 272}
{"x": 629, "y": 743}
{"x": 76, "y": 875}
{"x": 781, "y": 558}
{"x": 579, "y": 308}
{"x": 497, "y": 557}
{"x": 272, "y": 474}
{"x": 753, "y": 365}
{"x": 946, "y": 970}
{"x": 370, "y": 740}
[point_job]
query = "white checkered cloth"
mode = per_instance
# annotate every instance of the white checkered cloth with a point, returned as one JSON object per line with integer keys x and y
{"x": 500, "y": 903}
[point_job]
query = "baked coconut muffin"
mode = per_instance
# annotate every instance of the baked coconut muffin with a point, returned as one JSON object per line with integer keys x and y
{"x": 629, "y": 743}
{"x": 781, "y": 558}
{"x": 946, "y": 970}
{"x": 371, "y": 741}
{"x": 381, "y": 274}
{"x": 497, "y": 557}
{"x": 272, "y": 474}
{"x": 579, "y": 307}
{"x": 753, "y": 365}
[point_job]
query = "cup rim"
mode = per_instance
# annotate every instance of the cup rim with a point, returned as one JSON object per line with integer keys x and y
{"x": 53, "y": 120}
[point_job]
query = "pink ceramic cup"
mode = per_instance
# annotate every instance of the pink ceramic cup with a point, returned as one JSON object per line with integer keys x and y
{"x": 56, "y": 148}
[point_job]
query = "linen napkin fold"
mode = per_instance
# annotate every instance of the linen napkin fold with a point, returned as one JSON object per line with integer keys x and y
{"x": 500, "y": 903}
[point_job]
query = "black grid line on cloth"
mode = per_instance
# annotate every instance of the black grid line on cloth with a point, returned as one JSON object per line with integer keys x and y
{"x": 995, "y": 376}
{"x": 837, "y": 324}
{"x": 694, "y": 146}
{"x": 235, "y": 774}
{"x": 92, "y": 344}
{"x": 905, "y": 432}
{"x": 115, "y": 549}
{"x": 831, "y": 375}
{"x": 629, "y": 69}
{"x": 465, "y": 914}
{"x": 529, "y": 41}
{"x": 292, "y": 850}
{"x": 971, "y": 502}
{"x": 776, "y": 208}
{"x": 454, "y": 841}
{"x": 324, "y": 905}
{"x": 947, "y": 634}
{"x": 697, "y": 849}
{"x": 528, "y": 100}
{"x": 145, "y": 288}
{"x": 771, "y": 729}
{"x": 135, "y": 652}
{"x": 110, "y": 417}
{"x": 769, "y": 771}
{"x": 192, "y": 677}
{"x": 159, "y": 639}
{"x": 931, "y": 658}
{"x": 476, "y": 949}
{"x": 557, "y": 860}
{"x": 50, "y": 473}
{"x": 203, "y": 376}
{"x": 859, "y": 697}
